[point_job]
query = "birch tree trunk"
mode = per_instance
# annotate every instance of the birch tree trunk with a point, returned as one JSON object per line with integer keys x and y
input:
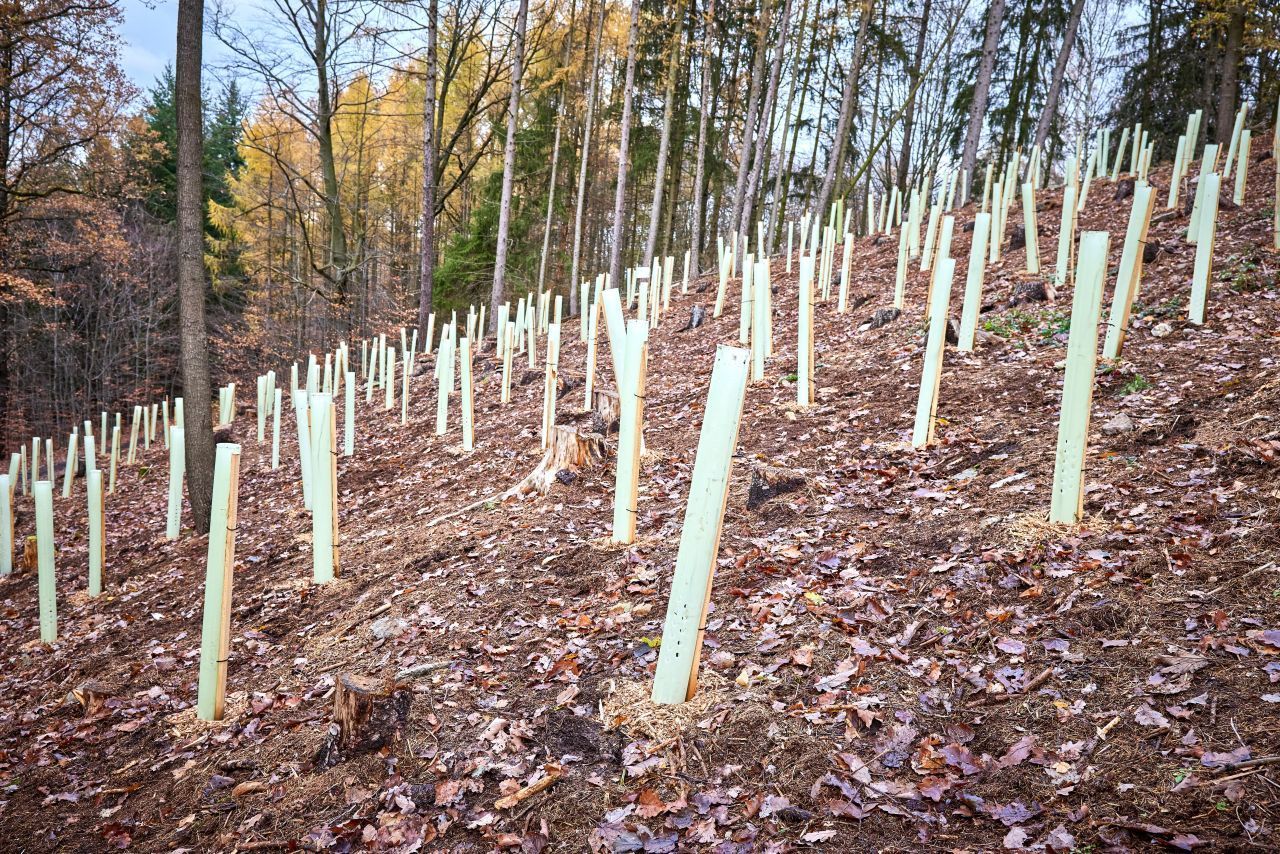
{"x": 981, "y": 88}
{"x": 704, "y": 100}
{"x": 835, "y": 162}
{"x": 498, "y": 297}
{"x": 1059, "y": 71}
{"x": 624, "y": 139}
{"x": 664, "y": 145}
{"x": 191, "y": 291}
{"x": 427, "y": 238}
{"x": 584, "y": 159}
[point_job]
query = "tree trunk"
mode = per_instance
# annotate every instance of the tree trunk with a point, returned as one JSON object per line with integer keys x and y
{"x": 1059, "y": 71}
{"x": 190, "y": 226}
{"x": 978, "y": 108}
{"x": 700, "y": 160}
{"x": 339, "y": 266}
{"x": 904, "y": 160}
{"x": 427, "y": 247}
{"x": 664, "y": 144}
{"x": 498, "y": 296}
{"x": 749, "y": 125}
{"x": 624, "y": 139}
{"x": 1230, "y": 74}
{"x": 765, "y": 139}
{"x": 555, "y": 162}
{"x": 835, "y": 161}
{"x": 775, "y": 214}
{"x": 585, "y": 157}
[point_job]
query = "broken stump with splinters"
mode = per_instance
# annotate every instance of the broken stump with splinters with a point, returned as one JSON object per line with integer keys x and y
{"x": 368, "y": 714}
{"x": 567, "y": 449}
{"x": 607, "y": 409}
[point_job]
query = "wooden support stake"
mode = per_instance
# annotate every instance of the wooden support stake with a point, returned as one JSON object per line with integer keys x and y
{"x": 43, "y": 491}
{"x": 324, "y": 489}
{"x": 1204, "y": 247}
{"x": 215, "y": 632}
{"x": 1067, "y": 502}
{"x": 931, "y": 376}
{"x": 177, "y": 468}
{"x": 93, "y": 481}
{"x": 1129, "y": 274}
{"x": 676, "y": 678}
{"x": 630, "y": 432}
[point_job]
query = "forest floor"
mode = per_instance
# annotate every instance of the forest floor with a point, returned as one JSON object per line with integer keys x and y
{"x": 902, "y": 653}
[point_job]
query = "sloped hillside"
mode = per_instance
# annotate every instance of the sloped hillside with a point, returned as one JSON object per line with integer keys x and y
{"x": 902, "y": 653}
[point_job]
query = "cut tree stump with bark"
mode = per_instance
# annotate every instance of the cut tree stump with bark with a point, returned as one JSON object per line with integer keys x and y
{"x": 568, "y": 450}
{"x": 368, "y": 714}
{"x": 30, "y": 554}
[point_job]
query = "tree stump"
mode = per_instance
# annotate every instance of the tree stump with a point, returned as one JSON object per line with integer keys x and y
{"x": 569, "y": 450}
{"x": 368, "y": 714}
{"x": 91, "y": 694}
{"x": 31, "y": 554}
{"x": 608, "y": 409}
{"x": 696, "y": 316}
{"x": 769, "y": 481}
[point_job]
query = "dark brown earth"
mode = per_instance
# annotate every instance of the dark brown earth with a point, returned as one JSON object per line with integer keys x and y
{"x": 902, "y": 654}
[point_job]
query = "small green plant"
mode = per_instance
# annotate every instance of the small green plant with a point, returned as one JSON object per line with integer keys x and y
{"x": 1053, "y": 323}
{"x": 792, "y": 377}
{"x": 1136, "y": 384}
